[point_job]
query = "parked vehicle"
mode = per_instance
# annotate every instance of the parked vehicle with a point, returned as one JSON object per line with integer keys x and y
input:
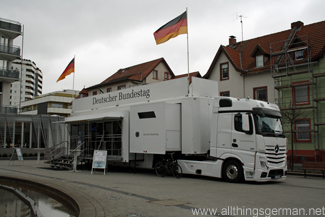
{"x": 231, "y": 138}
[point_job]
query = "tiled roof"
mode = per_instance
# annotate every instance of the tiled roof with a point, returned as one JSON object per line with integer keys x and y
{"x": 241, "y": 54}
{"x": 134, "y": 73}
{"x": 192, "y": 74}
{"x": 137, "y": 72}
{"x": 83, "y": 92}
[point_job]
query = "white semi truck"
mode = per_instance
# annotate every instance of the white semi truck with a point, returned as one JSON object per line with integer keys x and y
{"x": 222, "y": 137}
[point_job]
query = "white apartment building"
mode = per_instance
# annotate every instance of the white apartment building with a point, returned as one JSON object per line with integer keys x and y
{"x": 9, "y": 30}
{"x": 31, "y": 82}
{"x": 54, "y": 103}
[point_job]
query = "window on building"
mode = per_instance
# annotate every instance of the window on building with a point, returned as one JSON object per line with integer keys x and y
{"x": 300, "y": 95}
{"x": 259, "y": 61}
{"x": 122, "y": 87}
{"x": 109, "y": 89}
{"x": 299, "y": 55}
{"x": 260, "y": 93}
{"x": 155, "y": 74}
{"x": 57, "y": 105}
{"x": 224, "y": 71}
{"x": 225, "y": 93}
{"x": 94, "y": 93}
{"x": 166, "y": 76}
{"x": 303, "y": 125}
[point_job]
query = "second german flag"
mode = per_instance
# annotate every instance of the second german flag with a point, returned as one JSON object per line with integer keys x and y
{"x": 171, "y": 29}
{"x": 68, "y": 70}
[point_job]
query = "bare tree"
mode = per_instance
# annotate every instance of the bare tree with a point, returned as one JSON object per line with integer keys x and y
{"x": 290, "y": 113}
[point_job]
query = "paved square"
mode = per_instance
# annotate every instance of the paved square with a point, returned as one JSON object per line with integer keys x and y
{"x": 120, "y": 193}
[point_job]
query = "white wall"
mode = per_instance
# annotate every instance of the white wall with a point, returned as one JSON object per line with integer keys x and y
{"x": 260, "y": 80}
{"x": 161, "y": 68}
{"x": 235, "y": 82}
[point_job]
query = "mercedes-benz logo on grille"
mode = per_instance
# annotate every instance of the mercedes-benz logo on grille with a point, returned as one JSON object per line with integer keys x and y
{"x": 276, "y": 149}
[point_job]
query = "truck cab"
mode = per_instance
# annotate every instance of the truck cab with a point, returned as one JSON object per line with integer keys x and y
{"x": 248, "y": 139}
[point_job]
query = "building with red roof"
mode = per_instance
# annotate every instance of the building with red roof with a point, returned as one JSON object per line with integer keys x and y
{"x": 286, "y": 68}
{"x": 143, "y": 73}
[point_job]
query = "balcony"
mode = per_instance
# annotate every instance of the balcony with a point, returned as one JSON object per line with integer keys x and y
{"x": 9, "y": 52}
{"x": 8, "y": 110}
{"x": 29, "y": 92}
{"x": 10, "y": 28}
{"x": 29, "y": 86}
{"x": 9, "y": 75}
{"x": 30, "y": 75}
{"x": 28, "y": 97}
{"x": 61, "y": 111}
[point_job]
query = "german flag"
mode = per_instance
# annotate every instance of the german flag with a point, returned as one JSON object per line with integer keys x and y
{"x": 171, "y": 29}
{"x": 68, "y": 70}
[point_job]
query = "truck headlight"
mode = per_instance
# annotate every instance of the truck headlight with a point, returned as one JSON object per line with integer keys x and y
{"x": 264, "y": 164}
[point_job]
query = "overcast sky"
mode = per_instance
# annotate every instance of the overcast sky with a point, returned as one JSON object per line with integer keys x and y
{"x": 106, "y": 35}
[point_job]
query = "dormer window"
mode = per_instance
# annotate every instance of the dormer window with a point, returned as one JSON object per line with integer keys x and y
{"x": 299, "y": 55}
{"x": 260, "y": 56}
{"x": 259, "y": 61}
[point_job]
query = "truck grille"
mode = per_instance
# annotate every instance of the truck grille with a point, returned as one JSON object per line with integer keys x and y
{"x": 275, "y": 154}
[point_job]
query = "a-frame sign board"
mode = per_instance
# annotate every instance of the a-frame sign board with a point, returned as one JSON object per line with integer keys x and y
{"x": 99, "y": 160}
{"x": 16, "y": 153}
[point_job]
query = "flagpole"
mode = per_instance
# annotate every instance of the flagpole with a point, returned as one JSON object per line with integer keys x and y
{"x": 188, "y": 58}
{"x": 74, "y": 59}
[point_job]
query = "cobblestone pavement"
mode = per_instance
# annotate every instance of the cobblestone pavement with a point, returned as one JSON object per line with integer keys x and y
{"x": 120, "y": 193}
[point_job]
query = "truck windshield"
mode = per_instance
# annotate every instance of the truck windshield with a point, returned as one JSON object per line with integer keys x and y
{"x": 268, "y": 126}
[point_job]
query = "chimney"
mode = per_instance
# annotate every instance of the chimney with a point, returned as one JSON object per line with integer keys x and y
{"x": 297, "y": 24}
{"x": 232, "y": 40}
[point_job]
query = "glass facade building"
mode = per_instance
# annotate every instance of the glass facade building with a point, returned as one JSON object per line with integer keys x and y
{"x": 31, "y": 131}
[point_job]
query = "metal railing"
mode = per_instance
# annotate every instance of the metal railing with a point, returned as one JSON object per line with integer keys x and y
{"x": 13, "y": 73}
{"x": 113, "y": 149}
{"x": 8, "y": 110}
{"x": 10, "y": 25}
{"x": 13, "y": 50}
{"x": 56, "y": 151}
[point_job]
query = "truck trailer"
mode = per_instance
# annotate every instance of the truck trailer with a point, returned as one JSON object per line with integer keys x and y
{"x": 224, "y": 137}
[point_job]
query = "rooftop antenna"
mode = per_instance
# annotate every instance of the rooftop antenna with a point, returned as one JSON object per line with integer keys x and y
{"x": 242, "y": 27}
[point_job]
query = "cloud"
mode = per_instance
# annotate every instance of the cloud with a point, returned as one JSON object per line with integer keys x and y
{"x": 108, "y": 35}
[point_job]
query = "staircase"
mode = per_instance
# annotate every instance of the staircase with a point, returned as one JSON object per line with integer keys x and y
{"x": 58, "y": 158}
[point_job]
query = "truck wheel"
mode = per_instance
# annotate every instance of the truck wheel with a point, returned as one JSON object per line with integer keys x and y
{"x": 232, "y": 171}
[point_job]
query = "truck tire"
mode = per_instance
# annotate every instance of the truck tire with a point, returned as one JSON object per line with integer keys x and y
{"x": 232, "y": 171}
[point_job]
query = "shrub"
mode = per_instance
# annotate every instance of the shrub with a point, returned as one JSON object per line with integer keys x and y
{"x": 4, "y": 155}
{"x": 25, "y": 155}
{"x": 30, "y": 155}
